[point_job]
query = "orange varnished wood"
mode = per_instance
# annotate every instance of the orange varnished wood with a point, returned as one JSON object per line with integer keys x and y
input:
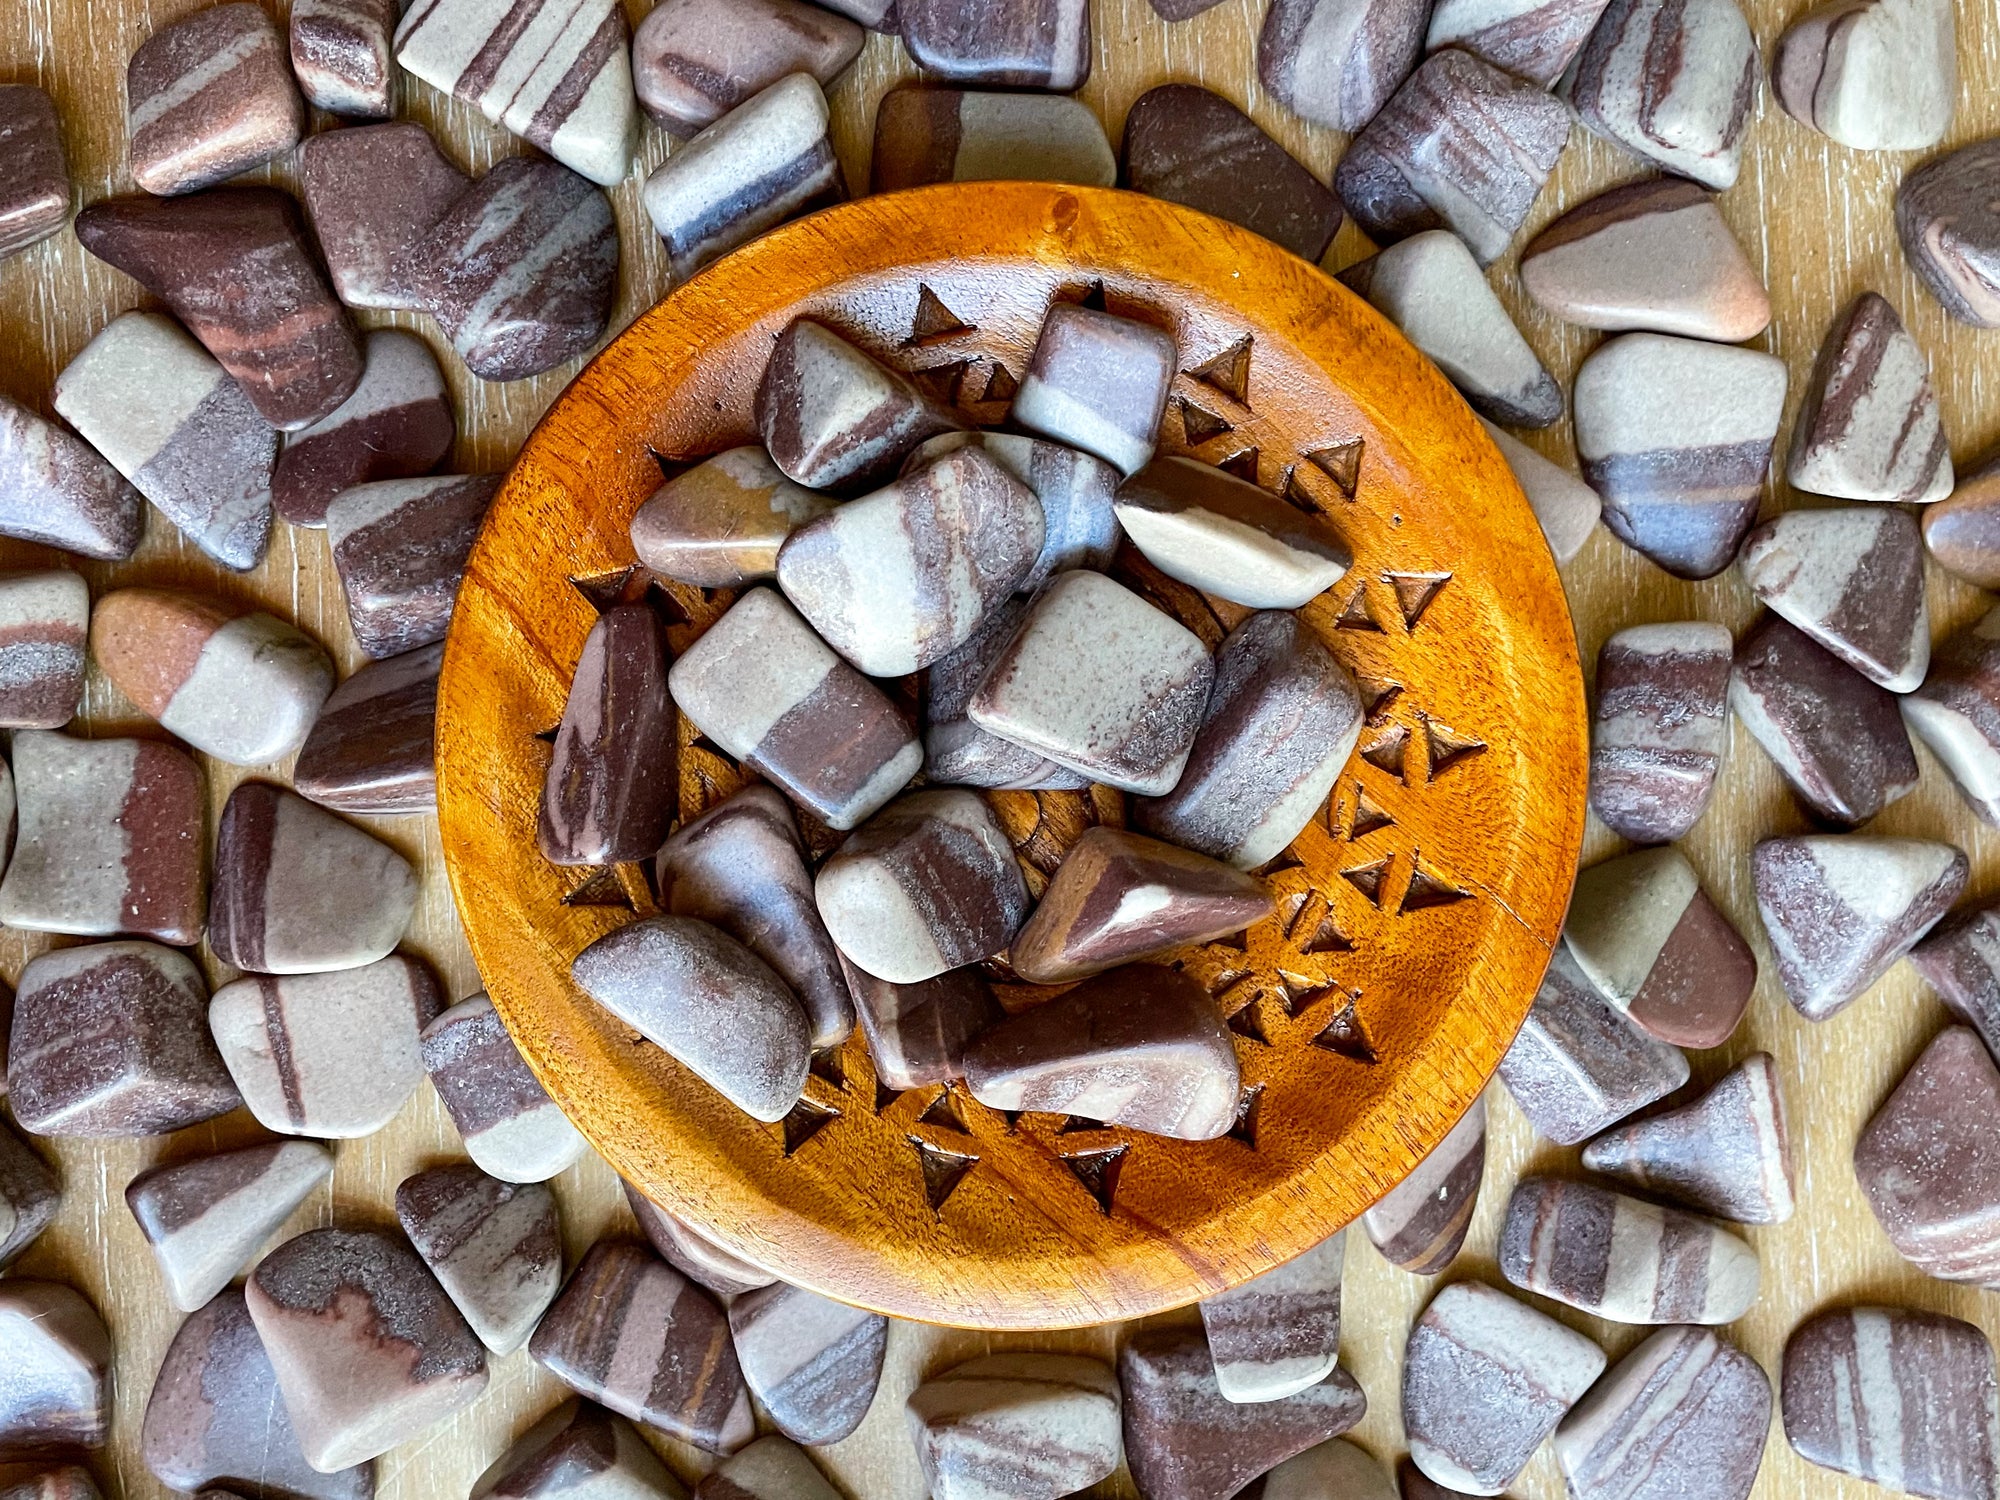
{"x": 1465, "y": 616}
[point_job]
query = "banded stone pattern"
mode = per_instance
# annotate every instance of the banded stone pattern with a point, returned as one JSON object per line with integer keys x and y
{"x": 1422, "y": 1222}
{"x": 373, "y": 747}
{"x": 1661, "y": 727}
{"x": 208, "y": 97}
{"x": 1728, "y": 1153}
{"x": 58, "y": 490}
{"x": 340, "y": 54}
{"x": 812, "y": 1363}
{"x": 495, "y": 1247}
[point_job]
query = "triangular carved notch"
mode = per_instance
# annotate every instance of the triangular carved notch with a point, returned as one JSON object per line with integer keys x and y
{"x": 1341, "y": 463}
{"x": 1429, "y": 889}
{"x": 1098, "y": 1172}
{"x": 807, "y": 1119}
{"x": 943, "y": 1170}
{"x": 1390, "y": 751}
{"x": 1199, "y": 424}
{"x": 1244, "y": 1128}
{"x": 1370, "y": 816}
{"x": 934, "y": 321}
{"x": 1445, "y": 747}
{"x": 1229, "y": 371}
{"x": 1345, "y": 1035}
{"x": 1243, "y": 465}
{"x": 943, "y": 1112}
{"x": 1355, "y": 614}
{"x": 1415, "y": 593}
{"x": 1000, "y": 384}
{"x": 1369, "y": 879}
{"x": 602, "y": 888}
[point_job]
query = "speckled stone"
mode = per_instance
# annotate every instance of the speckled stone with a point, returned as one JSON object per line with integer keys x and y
{"x": 341, "y": 56}
{"x": 925, "y": 135}
{"x": 511, "y": 1128}
{"x": 1036, "y": 44}
{"x": 30, "y": 1194}
{"x": 1962, "y": 533}
{"x": 693, "y": 1253}
{"x": 209, "y": 96}
{"x": 920, "y": 1033}
{"x": 1853, "y": 580}
{"x": 1671, "y": 81}
{"x": 1227, "y": 537}
{"x": 205, "y": 1219}
{"x": 633, "y": 1334}
{"x": 832, "y": 416}
{"x": 1869, "y": 428}
{"x": 373, "y": 193}
{"x": 1098, "y": 382}
{"x": 1840, "y": 909}
{"x": 44, "y": 626}
{"x": 693, "y": 62}
{"x": 1951, "y": 232}
{"x": 695, "y": 991}
{"x": 1565, "y": 507}
{"x": 1276, "y": 1334}
{"x": 373, "y": 747}
{"x": 1876, "y": 75}
{"x": 1421, "y": 1223}
{"x": 1020, "y": 1425}
{"x": 36, "y": 200}
{"x": 1079, "y": 526}
{"x": 957, "y": 752}
{"x": 332, "y": 1055}
{"x": 611, "y": 793}
{"x": 721, "y": 523}
{"x": 578, "y": 1452}
{"x": 70, "y": 1482}
{"x": 1961, "y": 961}
{"x": 812, "y": 1363}
{"x": 1728, "y": 1153}
{"x": 400, "y": 548}
{"x": 368, "y": 1350}
{"x": 1661, "y": 728}
{"x": 1532, "y": 39}
{"x": 1336, "y": 62}
{"x": 56, "y": 1394}
{"x": 495, "y": 1247}
{"x": 397, "y": 424}
{"x": 57, "y": 490}
{"x": 772, "y": 1468}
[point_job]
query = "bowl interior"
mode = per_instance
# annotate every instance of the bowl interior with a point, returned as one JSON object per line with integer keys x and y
{"x": 1415, "y": 914}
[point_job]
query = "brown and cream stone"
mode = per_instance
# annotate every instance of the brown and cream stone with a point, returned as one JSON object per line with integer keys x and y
{"x": 1672, "y": 82}
{"x": 56, "y": 1395}
{"x": 692, "y": 1253}
{"x": 1532, "y": 39}
{"x": 44, "y": 627}
{"x": 579, "y": 1452}
{"x": 373, "y": 193}
{"x": 1421, "y": 1223}
{"x": 1225, "y": 536}
{"x": 1954, "y": 712}
{"x": 1278, "y": 1333}
{"x": 1870, "y": 428}
{"x": 1728, "y": 1153}
{"x": 35, "y": 201}
{"x": 1876, "y": 75}
{"x": 57, "y": 490}
{"x": 1962, "y": 533}
{"x": 396, "y": 425}
{"x": 721, "y": 523}
{"x": 1026, "y": 1425}
{"x": 1951, "y": 239}
{"x": 611, "y": 794}
{"x": 957, "y": 752}
{"x": 812, "y": 1363}
{"x": 1336, "y": 62}
{"x": 926, "y": 134}
{"x": 1961, "y": 961}
{"x": 495, "y": 1247}
{"x": 1098, "y": 382}
{"x": 1661, "y": 729}
{"x": 920, "y": 1033}
{"x": 1034, "y": 44}
{"x": 29, "y": 1196}
{"x": 373, "y": 747}
{"x": 207, "y": 1218}
{"x": 209, "y": 96}
{"x": 832, "y": 416}
{"x": 772, "y": 1468}
{"x": 1853, "y": 580}
{"x": 341, "y": 55}
{"x": 511, "y": 1128}
{"x": 693, "y": 61}
{"x": 400, "y": 547}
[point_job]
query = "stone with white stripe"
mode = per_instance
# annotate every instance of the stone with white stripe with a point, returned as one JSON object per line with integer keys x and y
{"x": 341, "y": 56}
{"x": 1275, "y": 1334}
{"x": 1946, "y": 220}
{"x": 1661, "y": 729}
{"x": 373, "y": 747}
{"x": 1024, "y": 1425}
{"x": 957, "y": 752}
{"x": 772, "y": 1468}
{"x": 57, "y": 1394}
{"x": 511, "y": 1128}
{"x": 557, "y": 73}
{"x": 610, "y": 795}
{"x": 1957, "y": 713}
{"x": 70, "y": 1482}
{"x": 1853, "y": 580}
{"x": 1869, "y": 428}
{"x": 580, "y": 1451}
{"x": 57, "y": 490}
{"x": 400, "y": 548}
{"x": 1728, "y": 1153}
{"x": 1079, "y": 525}
{"x": 720, "y": 524}
{"x": 495, "y": 1247}
{"x": 1336, "y": 62}
{"x": 1876, "y": 75}
{"x": 329, "y": 1055}
{"x": 373, "y": 192}
{"x": 812, "y": 1363}
{"x": 172, "y": 421}
{"x": 1226, "y": 537}
{"x": 35, "y": 202}
{"x": 209, "y": 96}
{"x": 44, "y": 627}
{"x": 1673, "y": 83}
{"x": 397, "y": 424}
{"x": 1565, "y": 507}
{"x": 768, "y": 160}
{"x": 1098, "y": 382}
{"x": 833, "y": 417}
{"x": 926, "y": 134}
{"x": 1532, "y": 39}
{"x": 693, "y": 61}
{"x": 1421, "y": 1223}
{"x": 1904, "y": 1399}
{"x": 207, "y": 1218}
{"x": 1961, "y": 961}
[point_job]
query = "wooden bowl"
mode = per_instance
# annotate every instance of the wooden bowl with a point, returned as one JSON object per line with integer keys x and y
{"x": 1415, "y": 915}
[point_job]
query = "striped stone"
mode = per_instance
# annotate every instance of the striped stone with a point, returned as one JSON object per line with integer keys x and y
{"x": 206, "y": 1219}
{"x": 495, "y": 1247}
{"x": 1022, "y": 1425}
{"x": 1098, "y": 382}
{"x": 1225, "y": 536}
{"x": 1079, "y": 525}
{"x": 1877, "y": 75}
{"x": 610, "y": 796}
{"x": 1950, "y": 229}
{"x": 1728, "y": 1153}
{"x": 832, "y": 416}
{"x": 957, "y": 752}
{"x": 30, "y": 1194}
{"x": 56, "y": 1396}
{"x": 1565, "y": 507}
{"x": 328, "y": 1055}
{"x": 1661, "y": 728}
{"x": 70, "y": 1482}
{"x": 557, "y": 73}
{"x": 400, "y": 548}
{"x": 692, "y": 1253}
{"x": 340, "y": 55}
{"x": 1853, "y": 580}
{"x": 1276, "y": 1334}
{"x": 511, "y": 1128}
{"x": 633, "y": 1334}
{"x": 693, "y": 62}
{"x": 578, "y": 1452}
{"x": 373, "y": 747}
{"x": 208, "y": 97}
{"x": 44, "y": 625}
{"x": 720, "y": 524}
{"x": 1336, "y": 62}
{"x": 1961, "y": 961}
{"x": 1532, "y": 39}
{"x": 35, "y": 201}
{"x": 772, "y": 1468}
{"x": 373, "y": 192}
{"x": 57, "y": 490}
{"x": 1870, "y": 428}
{"x": 925, "y": 135}
{"x": 812, "y": 1363}
{"x": 1035, "y": 44}
{"x": 398, "y": 423}
{"x": 1422, "y": 1221}
{"x": 920, "y": 1033}
{"x": 1672, "y": 82}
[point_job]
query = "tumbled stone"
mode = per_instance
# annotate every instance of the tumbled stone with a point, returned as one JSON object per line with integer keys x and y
{"x": 1578, "y": 1065}
{"x": 520, "y": 271}
{"x": 1565, "y": 507}
{"x": 1421, "y": 1223}
{"x": 29, "y": 1196}
{"x": 1079, "y": 525}
{"x": 1853, "y": 580}
{"x": 925, "y": 135}
{"x": 1684, "y": 1412}
{"x": 1840, "y": 909}
{"x": 331, "y": 1055}
{"x": 1836, "y": 736}
{"x": 1961, "y": 961}
{"x": 1336, "y": 62}
{"x": 928, "y": 884}
{"x": 400, "y": 546}
{"x": 57, "y": 490}
{"x": 368, "y": 1350}
{"x": 373, "y": 193}
{"x": 1281, "y": 720}
{"x": 1672, "y": 83}
{"x": 1729, "y": 1153}
{"x": 897, "y": 580}
{"x": 55, "y": 1396}
{"x": 44, "y": 623}
{"x": 1461, "y": 146}
{"x": 1485, "y": 1379}
{"x": 216, "y": 1415}
{"x": 578, "y": 1452}
{"x": 1431, "y": 288}
{"x": 1622, "y": 1258}
{"x": 1869, "y": 428}
{"x": 766, "y": 689}
{"x": 1140, "y": 1047}
{"x": 1036, "y": 44}
{"x": 1272, "y": 1336}
{"x": 1188, "y": 145}
{"x": 1227, "y": 537}
{"x": 1338, "y": 1468}
{"x": 1414, "y": 1484}
{"x": 1929, "y": 1161}
{"x": 1655, "y": 254}
{"x": 242, "y": 688}
{"x": 1650, "y": 941}
{"x": 768, "y": 160}
{"x": 209, "y": 96}
{"x": 495, "y": 1247}
{"x": 692, "y": 1253}
{"x": 1025, "y": 1425}
{"x": 1962, "y": 533}
{"x": 920, "y": 1033}
{"x": 1184, "y": 1440}
{"x": 741, "y": 866}
{"x": 721, "y": 523}
{"x": 693, "y": 62}
{"x": 1102, "y": 682}
{"x": 341, "y": 55}
{"x": 557, "y": 73}
{"x": 1877, "y": 75}
{"x": 1950, "y": 230}
{"x": 110, "y": 839}
{"x": 1661, "y": 729}
{"x": 511, "y": 1128}
{"x": 1532, "y": 39}
{"x": 373, "y": 747}
{"x": 695, "y": 991}
{"x": 1901, "y": 1398}
{"x": 207, "y": 1218}
{"x": 1097, "y": 382}
{"x": 298, "y": 891}
{"x": 832, "y": 417}
{"x": 957, "y": 752}
{"x": 812, "y": 1363}
{"x": 70, "y": 1482}
{"x": 1676, "y": 435}
{"x": 35, "y": 202}
{"x": 398, "y": 423}
{"x": 633, "y": 1334}
{"x": 281, "y": 333}
{"x": 772, "y": 1468}
{"x": 609, "y": 798}
{"x": 169, "y": 419}
{"x": 1117, "y": 897}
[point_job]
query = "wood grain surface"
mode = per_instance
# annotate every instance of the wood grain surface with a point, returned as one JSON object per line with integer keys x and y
{"x": 1814, "y": 216}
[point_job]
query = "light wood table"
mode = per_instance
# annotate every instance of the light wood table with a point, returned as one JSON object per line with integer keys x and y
{"x": 1815, "y": 217}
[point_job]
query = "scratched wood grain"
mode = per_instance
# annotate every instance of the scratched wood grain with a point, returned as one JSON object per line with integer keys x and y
{"x": 1814, "y": 216}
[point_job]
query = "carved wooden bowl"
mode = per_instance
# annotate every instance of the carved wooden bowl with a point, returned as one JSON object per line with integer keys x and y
{"x": 1415, "y": 915}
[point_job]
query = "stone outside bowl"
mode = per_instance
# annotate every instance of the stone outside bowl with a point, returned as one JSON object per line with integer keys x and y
{"x": 1415, "y": 914}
